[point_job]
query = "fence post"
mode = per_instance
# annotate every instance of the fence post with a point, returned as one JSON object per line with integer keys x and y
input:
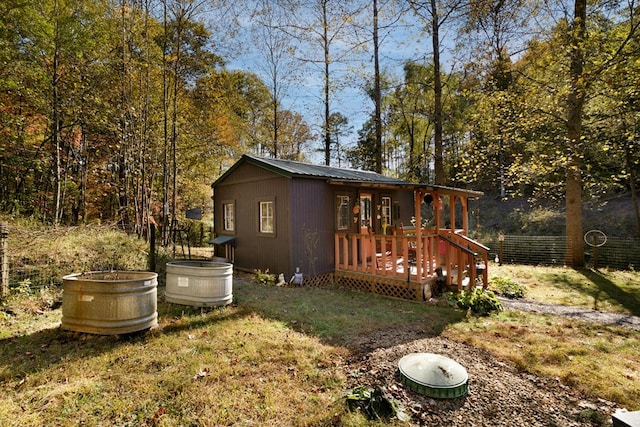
{"x": 4, "y": 260}
{"x": 152, "y": 248}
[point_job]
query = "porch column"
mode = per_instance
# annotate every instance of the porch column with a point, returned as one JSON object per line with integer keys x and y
{"x": 452, "y": 213}
{"x": 436, "y": 211}
{"x": 417, "y": 202}
{"x": 465, "y": 219}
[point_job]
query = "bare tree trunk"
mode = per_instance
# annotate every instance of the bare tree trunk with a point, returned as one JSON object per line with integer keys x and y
{"x": 123, "y": 208}
{"x": 377, "y": 91}
{"x": 575, "y": 104}
{"x": 84, "y": 168}
{"x": 634, "y": 190}
{"x": 4, "y": 260}
{"x": 174, "y": 131}
{"x": 55, "y": 125}
{"x": 165, "y": 114}
{"x": 274, "y": 105}
{"x": 437, "y": 96}
{"x": 327, "y": 59}
{"x": 145, "y": 200}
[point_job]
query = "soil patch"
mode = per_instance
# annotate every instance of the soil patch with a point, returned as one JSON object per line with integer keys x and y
{"x": 499, "y": 394}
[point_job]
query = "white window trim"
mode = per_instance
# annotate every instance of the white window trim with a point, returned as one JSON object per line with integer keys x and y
{"x": 225, "y": 217}
{"x": 343, "y": 202}
{"x": 262, "y": 203}
{"x": 386, "y": 210}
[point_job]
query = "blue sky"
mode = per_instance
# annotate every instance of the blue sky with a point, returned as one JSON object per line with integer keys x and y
{"x": 305, "y": 95}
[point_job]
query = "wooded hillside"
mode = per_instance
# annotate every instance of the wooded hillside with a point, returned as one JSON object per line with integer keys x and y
{"x": 126, "y": 110}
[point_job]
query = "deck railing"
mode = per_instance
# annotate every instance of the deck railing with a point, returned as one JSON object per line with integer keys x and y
{"x": 401, "y": 256}
{"x": 464, "y": 257}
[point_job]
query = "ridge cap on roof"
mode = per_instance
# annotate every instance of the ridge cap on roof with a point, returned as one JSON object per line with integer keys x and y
{"x": 274, "y": 160}
{"x": 303, "y": 169}
{"x": 309, "y": 170}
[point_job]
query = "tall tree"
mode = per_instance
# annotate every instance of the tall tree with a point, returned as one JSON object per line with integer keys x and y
{"x": 377, "y": 90}
{"x": 187, "y": 44}
{"x": 435, "y": 15}
{"x": 277, "y": 50}
{"x": 410, "y": 107}
{"x": 338, "y": 128}
{"x": 575, "y": 105}
{"x": 563, "y": 72}
{"x": 377, "y": 22}
{"x": 322, "y": 28}
{"x": 495, "y": 30}
{"x": 363, "y": 155}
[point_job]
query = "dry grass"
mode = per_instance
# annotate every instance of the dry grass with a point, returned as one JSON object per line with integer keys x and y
{"x": 267, "y": 360}
{"x": 605, "y": 290}
{"x": 598, "y": 361}
{"x": 277, "y": 355}
{"x": 41, "y": 253}
{"x": 215, "y": 367}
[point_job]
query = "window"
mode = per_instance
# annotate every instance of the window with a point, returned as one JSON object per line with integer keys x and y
{"x": 228, "y": 216}
{"x": 365, "y": 211}
{"x": 386, "y": 211}
{"x": 266, "y": 217}
{"x": 343, "y": 213}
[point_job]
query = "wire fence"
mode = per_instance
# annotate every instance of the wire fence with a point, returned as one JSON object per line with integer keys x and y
{"x": 48, "y": 274}
{"x": 616, "y": 253}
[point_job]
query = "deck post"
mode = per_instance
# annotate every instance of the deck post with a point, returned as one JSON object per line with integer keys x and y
{"x": 452, "y": 212}
{"x": 336, "y": 252}
{"x": 465, "y": 220}
{"x": 394, "y": 253}
{"x": 417, "y": 196}
{"x": 373, "y": 253}
{"x": 436, "y": 211}
{"x": 354, "y": 253}
{"x": 426, "y": 259}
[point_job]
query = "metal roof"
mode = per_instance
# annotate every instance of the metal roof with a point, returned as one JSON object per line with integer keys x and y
{"x": 334, "y": 175}
{"x": 293, "y": 169}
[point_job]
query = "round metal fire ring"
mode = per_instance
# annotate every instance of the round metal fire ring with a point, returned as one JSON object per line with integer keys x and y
{"x": 434, "y": 375}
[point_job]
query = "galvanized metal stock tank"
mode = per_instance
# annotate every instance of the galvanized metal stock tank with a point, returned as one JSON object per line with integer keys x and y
{"x": 199, "y": 283}
{"x": 110, "y": 302}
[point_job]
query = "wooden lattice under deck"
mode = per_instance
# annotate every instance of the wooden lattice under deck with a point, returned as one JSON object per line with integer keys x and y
{"x": 381, "y": 285}
{"x": 320, "y": 280}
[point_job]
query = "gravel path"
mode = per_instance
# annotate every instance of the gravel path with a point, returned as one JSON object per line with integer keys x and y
{"x": 580, "y": 313}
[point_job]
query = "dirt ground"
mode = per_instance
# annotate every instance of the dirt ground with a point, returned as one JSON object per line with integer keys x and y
{"x": 499, "y": 395}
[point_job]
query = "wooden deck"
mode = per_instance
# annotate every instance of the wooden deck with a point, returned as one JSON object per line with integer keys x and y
{"x": 420, "y": 257}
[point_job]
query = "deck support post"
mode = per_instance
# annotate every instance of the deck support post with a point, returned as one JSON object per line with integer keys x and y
{"x": 417, "y": 199}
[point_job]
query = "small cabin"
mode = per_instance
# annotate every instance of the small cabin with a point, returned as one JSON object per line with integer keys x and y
{"x": 358, "y": 228}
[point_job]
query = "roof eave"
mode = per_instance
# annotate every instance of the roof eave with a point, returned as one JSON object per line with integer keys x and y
{"x": 370, "y": 184}
{"x": 449, "y": 190}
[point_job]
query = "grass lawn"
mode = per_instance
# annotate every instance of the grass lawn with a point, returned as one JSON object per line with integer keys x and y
{"x": 605, "y": 290}
{"x": 277, "y": 355}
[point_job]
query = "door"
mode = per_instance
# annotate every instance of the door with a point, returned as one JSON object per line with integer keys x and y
{"x": 366, "y": 226}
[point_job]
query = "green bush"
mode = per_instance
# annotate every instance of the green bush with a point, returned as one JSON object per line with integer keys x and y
{"x": 264, "y": 277}
{"x": 507, "y": 287}
{"x": 479, "y": 301}
{"x": 375, "y": 403}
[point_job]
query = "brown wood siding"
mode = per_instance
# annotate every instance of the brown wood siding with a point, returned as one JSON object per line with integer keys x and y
{"x": 312, "y": 226}
{"x": 246, "y": 186}
{"x": 406, "y": 208}
{"x": 305, "y": 219}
